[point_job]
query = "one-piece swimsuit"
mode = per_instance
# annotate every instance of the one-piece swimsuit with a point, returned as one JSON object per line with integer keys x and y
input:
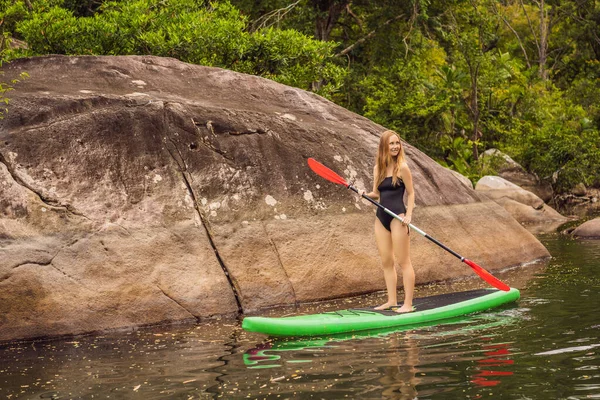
{"x": 391, "y": 197}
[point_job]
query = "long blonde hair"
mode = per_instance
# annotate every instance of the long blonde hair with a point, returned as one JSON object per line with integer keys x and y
{"x": 384, "y": 158}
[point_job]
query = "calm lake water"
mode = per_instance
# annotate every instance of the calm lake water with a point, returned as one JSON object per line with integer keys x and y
{"x": 546, "y": 346}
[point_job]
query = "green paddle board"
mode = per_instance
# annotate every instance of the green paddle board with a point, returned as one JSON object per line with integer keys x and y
{"x": 427, "y": 309}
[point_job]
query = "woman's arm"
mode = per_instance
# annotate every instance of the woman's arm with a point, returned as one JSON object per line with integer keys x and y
{"x": 410, "y": 191}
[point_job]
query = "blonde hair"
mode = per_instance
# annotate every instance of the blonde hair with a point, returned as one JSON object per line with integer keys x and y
{"x": 384, "y": 158}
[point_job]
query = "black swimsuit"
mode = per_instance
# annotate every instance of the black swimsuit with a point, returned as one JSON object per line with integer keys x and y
{"x": 392, "y": 198}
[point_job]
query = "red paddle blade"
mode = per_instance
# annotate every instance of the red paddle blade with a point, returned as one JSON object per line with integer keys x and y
{"x": 325, "y": 172}
{"x": 486, "y": 276}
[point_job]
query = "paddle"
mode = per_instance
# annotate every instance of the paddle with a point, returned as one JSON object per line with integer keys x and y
{"x": 331, "y": 176}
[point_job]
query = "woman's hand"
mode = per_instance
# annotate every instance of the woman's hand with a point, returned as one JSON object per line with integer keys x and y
{"x": 361, "y": 192}
{"x": 406, "y": 219}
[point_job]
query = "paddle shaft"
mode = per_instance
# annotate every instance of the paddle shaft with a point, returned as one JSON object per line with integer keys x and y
{"x": 449, "y": 250}
{"x": 331, "y": 176}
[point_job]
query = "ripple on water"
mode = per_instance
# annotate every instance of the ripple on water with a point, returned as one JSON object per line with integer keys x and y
{"x": 544, "y": 347}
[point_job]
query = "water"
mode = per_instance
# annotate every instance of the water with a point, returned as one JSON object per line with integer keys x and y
{"x": 545, "y": 347}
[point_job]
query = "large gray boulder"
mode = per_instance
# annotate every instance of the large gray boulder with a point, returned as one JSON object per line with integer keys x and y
{"x": 463, "y": 179}
{"x": 141, "y": 190}
{"x": 513, "y": 172}
{"x": 523, "y": 205}
{"x": 588, "y": 230}
{"x": 496, "y": 187}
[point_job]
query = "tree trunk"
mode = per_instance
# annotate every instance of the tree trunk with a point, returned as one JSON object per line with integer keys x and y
{"x": 328, "y": 13}
{"x": 543, "y": 49}
{"x": 475, "y": 111}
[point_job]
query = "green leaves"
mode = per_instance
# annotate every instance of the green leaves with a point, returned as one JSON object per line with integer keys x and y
{"x": 555, "y": 139}
{"x": 458, "y": 154}
{"x": 292, "y": 58}
{"x": 453, "y": 77}
{"x": 213, "y": 34}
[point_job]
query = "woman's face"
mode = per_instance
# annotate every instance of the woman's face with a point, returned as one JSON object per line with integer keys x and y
{"x": 394, "y": 145}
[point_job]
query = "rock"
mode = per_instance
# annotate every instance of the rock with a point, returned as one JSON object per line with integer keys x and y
{"x": 582, "y": 205}
{"x": 588, "y": 230}
{"x": 513, "y": 172}
{"x": 524, "y": 206}
{"x": 528, "y": 215}
{"x": 465, "y": 181}
{"x": 579, "y": 190}
{"x": 496, "y": 187}
{"x": 502, "y": 161}
{"x": 139, "y": 190}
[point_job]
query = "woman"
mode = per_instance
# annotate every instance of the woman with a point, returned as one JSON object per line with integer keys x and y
{"x": 392, "y": 179}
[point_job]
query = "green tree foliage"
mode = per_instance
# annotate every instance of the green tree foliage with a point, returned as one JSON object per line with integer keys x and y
{"x": 453, "y": 77}
{"x": 5, "y": 46}
{"x": 406, "y": 96}
{"x": 487, "y": 89}
{"x": 555, "y": 138}
{"x": 212, "y": 34}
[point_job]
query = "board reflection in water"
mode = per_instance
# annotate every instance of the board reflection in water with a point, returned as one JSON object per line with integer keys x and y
{"x": 393, "y": 363}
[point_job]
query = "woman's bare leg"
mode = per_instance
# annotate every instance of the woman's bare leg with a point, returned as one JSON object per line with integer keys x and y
{"x": 384, "y": 245}
{"x": 401, "y": 246}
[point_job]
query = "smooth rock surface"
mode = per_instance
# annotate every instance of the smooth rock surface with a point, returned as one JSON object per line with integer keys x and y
{"x": 523, "y": 205}
{"x": 513, "y": 172}
{"x": 497, "y": 187}
{"x": 140, "y": 190}
{"x": 466, "y": 181}
{"x": 588, "y": 230}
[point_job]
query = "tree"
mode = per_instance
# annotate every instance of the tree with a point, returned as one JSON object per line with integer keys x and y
{"x": 327, "y": 13}
{"x": 5, "y": 45}
{"x": 471, "y": 33}
{"x": 213, "y": 35}
{"x": 453, "y": 77}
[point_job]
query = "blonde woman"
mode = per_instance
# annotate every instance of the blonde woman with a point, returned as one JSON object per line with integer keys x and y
{"x": 391, "y": 179}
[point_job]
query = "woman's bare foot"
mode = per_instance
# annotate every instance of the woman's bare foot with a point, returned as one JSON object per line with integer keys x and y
{"x": 404, "y": 309}
{"x": 385, "y": 306}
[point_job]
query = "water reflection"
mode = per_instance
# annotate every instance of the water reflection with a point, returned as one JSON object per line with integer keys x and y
{"x": 400, "y": 377}
{"x": 546, "y": 346}
{"x": 145, "y": 363}
{"x": 498, "y": 356}
{"x": 399, "y": 363}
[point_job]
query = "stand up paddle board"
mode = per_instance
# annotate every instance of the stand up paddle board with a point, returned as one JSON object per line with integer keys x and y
{"x": 427, "y": 309}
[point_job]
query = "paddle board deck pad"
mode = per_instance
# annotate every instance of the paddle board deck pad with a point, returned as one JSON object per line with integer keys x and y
{"x": 427, "y": 309}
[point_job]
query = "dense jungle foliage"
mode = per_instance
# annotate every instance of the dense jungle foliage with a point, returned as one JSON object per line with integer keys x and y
{"x": 453, "y": 77}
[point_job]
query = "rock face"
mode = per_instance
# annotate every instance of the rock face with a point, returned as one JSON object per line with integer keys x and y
{"x": 513, "y": 172}
{"x": 588, "y": 230}
{"x": 523, "y": 205}
{"x": 465, "y": 181}
{"x": 140, "y": 190}
{"x": 582, "y": 201}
